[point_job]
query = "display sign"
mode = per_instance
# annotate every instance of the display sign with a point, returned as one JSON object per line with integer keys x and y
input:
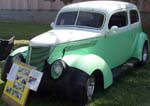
{"x": 20, "y": 79}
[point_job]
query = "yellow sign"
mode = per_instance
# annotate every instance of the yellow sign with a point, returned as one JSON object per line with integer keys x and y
{"x": 16, "y": 90}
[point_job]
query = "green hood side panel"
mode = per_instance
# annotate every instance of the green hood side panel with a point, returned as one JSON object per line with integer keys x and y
{"x": 90, "y": 63}
{"x": 139, "y": 46}
{"x": 82, "y": 47}
{"x": 23, "y": 50}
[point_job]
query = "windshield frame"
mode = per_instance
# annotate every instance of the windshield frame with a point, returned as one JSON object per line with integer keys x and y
{"x": 80, "y": 26}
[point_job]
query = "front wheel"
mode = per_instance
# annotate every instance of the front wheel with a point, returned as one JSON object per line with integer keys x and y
{"x": 8, "y": 64}
{"x": 144, "y": 55}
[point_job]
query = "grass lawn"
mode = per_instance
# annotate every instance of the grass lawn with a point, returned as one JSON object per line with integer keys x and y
{"x": 133, "y": 89}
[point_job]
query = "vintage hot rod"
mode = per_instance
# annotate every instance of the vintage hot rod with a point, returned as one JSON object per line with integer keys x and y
{"x": 87, "y": 41}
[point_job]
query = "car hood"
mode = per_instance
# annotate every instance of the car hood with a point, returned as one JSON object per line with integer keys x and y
{"x": 61, "y": 36}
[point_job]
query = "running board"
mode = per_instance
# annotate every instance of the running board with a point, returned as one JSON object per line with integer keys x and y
{"x": 121, "y": 70}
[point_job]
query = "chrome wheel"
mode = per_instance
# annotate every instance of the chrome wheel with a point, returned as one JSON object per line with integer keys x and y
{"x": 90, "y": 88}
{"x": 145, "y": 54}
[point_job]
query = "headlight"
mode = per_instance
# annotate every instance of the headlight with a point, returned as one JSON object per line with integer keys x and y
{"x": 57, "y": 69}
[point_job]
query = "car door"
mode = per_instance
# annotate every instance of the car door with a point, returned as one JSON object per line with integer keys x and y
{"x": 135, "y": 26}
{"x": 118, "y": 42}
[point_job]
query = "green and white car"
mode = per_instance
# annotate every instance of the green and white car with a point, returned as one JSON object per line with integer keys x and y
{"x": 88, "y": 41}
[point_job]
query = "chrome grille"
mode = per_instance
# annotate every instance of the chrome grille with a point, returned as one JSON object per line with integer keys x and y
{"x": 37, "y": 56}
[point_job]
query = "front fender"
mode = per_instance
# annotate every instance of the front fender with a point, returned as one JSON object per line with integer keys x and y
{"x": 23, "y": 50}
{"x": 139, "y": 47}
{"x": 89, "y": 64}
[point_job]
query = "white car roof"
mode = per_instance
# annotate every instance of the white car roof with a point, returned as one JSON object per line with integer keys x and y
{"x": 102, "y": 6}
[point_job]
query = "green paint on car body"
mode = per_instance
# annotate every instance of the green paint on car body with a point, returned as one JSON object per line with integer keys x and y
{"x": 89, "y": 48}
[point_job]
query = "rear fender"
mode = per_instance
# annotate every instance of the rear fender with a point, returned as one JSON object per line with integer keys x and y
{"x": 139, "y": 47}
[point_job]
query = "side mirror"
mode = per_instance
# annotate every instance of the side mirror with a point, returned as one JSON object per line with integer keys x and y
{"x": 114, "y": 28}
{"x": 52, "y": 24}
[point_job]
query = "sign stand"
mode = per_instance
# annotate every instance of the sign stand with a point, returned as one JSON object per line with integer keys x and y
{"x": 20, "y": 80}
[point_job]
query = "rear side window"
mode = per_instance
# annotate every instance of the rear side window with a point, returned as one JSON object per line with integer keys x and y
{"x": 119, "y": 19}
{"x": 134, "y": 16}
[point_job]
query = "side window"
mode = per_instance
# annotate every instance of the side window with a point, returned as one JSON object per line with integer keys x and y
{"x": 119, "y": 19}
{"x": 134, "y": 16}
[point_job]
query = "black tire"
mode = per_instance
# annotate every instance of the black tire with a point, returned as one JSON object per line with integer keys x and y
{"x": 8, "y": 64}
{"x": 144, "y": 55}
{"x": 82, "y": 94}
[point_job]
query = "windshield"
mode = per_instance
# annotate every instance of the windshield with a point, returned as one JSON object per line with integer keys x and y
{"x": 85, "y": 19}
{"x": 66, "y": 18}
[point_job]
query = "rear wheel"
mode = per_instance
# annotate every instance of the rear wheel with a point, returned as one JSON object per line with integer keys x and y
{"x": 144, "y": 55}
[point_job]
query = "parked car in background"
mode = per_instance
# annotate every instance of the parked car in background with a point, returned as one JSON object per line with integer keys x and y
{"x": 88, "y": 41}
{"x": 6, "y": 45}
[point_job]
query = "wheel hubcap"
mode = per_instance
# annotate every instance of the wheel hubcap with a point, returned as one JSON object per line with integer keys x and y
{"x": 145, "y": 55}
{"x": 17, "y": 58}
{"x": 90, "y": 88}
